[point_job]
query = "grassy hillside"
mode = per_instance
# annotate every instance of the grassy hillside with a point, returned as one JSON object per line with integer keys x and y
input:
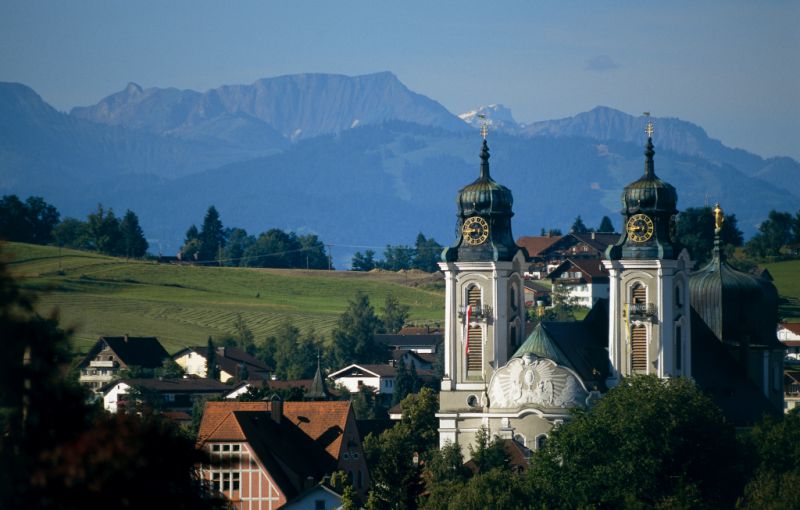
{"x": 183, "y": 305}
{"x": 786, "y": 277}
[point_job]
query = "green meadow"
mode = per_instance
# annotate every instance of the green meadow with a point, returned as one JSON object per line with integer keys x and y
{"x": 182, "y": 305}
{"x": 786, "y": 276}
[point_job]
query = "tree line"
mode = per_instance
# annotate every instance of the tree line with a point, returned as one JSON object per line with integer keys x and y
{"x": 37, "y": 222}
{"x": 215, "y": 244}
{"x": 424, "y": 255}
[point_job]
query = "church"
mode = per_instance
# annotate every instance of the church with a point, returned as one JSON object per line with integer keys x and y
{"x": 715, "y": 325}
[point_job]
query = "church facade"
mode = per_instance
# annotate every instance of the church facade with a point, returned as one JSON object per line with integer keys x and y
{"x": 660, "y": 319}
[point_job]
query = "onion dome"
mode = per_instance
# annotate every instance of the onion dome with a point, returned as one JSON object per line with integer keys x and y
{"x": 649, "y": 209}
{"x": 739, "y": 308}
{"x": 649, "y": 194}
{"x": 484, "y": 196}
{"x": 483, "y": 228}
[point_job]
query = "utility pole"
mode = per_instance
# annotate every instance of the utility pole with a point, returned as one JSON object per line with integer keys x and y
{"x": 330, "y": 257}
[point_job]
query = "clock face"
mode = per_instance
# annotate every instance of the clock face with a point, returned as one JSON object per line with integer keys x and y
{"x": 640, "y": 228}
{"x": 475, "y": 230}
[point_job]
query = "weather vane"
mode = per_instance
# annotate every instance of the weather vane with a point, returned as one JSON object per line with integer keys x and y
{"x": 649, "y": 128}
{"x": 484, "y": 126}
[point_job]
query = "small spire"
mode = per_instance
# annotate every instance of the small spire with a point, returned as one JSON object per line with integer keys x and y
{"x": 485, "y": 162}
{"x": 649, "y": 165}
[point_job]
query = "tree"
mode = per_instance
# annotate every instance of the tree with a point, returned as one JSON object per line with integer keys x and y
{"x": 212, "y": 368}
{"x": 396, "y": 478}
{"x": 354, "y": 334}
{"x": 244, "y": 336}
{"x": 191, "y": 245}
{"x": 403, "y": 385}
{"x": 695, "y": 230}
{"x": 41, "y": 218}
{"x": 237, "y": 243}
{"x": 796, "y": 228}
{"x": 274, "y": 248}
{"x": 103, "y": 231}
{"x": 775, "y": 483}
{"x": 396, "y": 258}
{"x": 72, "y": 233}
{"x": 648, "y": 443}
{"x": 606, "y": 226}
{"x": 292, "y": 356}
{"x": 393, "y": 314}
{"x": 30, "y": 222}
{"x": 365, "y": 262}
{"x": 773, "y": 234}
{"x": 211, "y": 236}
{"x": 577, "y": 226}
{"x": 427, "y": 254}
{"x": 133, "y": 241}
{"x": 313, "y": 254}
{"x": 489, "y": 452}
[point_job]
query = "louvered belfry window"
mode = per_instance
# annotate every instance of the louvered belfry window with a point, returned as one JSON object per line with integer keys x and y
{"x": 475, "y": 334}
{"x": 639, "y": 333}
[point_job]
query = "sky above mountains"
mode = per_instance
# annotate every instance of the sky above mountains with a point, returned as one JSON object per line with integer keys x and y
{"x": 730, "y": 66}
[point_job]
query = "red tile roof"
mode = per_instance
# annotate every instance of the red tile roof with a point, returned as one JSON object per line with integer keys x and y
{"x": 537, "y": 244}
{"x": 315, "y": 419}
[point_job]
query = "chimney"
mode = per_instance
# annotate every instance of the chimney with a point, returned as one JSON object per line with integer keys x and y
{"x": 276, "y": 408}
{"x": 126, "y": 338}
{"x": 593, "y": 235}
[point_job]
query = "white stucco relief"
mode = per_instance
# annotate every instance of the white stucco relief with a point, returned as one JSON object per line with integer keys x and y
{"x": 535, "y": 381}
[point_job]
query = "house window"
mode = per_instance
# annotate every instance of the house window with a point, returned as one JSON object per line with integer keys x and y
{"x": 226, "y": 448}
{"x": 235, "y": 480}
{"x": 235, "y": 447}
{"x": 541, "y": 441}
{"x": 215, "y": 481}
{"x": 215, "y": 447}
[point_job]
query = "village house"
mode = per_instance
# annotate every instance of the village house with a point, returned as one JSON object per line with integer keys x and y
{"x": 584, "y": 280}
{"x": 110, "y": 355}
{"x": 264, "y": 455}
{"x": 233, "y": 363}
{"x": 174, "y": 394}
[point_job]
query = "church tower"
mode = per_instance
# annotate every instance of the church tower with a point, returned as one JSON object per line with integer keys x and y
{"x": 649, "y": 312}
{"x": 484, "y": 302}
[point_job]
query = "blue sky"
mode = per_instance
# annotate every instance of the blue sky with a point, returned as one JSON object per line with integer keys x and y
{"x": 732, "y": 67}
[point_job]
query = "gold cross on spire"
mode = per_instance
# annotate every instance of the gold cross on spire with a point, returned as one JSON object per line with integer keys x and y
{"x": 484, "y": 126}
{"x": 649, "y": 128}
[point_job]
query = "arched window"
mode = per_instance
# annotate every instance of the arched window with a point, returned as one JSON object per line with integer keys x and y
{"x": 678, "y": 296}
{"x": 541, "y": 441}
{"x": 638, "y": 294}
{"x": 678, "y": 349}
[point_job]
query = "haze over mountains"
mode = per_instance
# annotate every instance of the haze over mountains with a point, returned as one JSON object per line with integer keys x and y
{"x": 361, "y": 161}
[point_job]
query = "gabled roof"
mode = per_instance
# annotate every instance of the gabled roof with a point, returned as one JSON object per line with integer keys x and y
{"x": 592, "y": 269}
{"x": 597, "y": 240}
{"x": 370, "y": 369}
{"x": 537, "y": 244}
{"x": 189, "y": 385}
{"x": 140, "y": 351}
{"x": 318, "y": 420}
{"x": 306, "y": 442}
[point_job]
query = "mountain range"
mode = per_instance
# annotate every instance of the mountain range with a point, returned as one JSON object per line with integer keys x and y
{"x": 360, "y": 161}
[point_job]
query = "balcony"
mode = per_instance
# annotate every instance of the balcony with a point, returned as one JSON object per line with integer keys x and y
{"x": 642, "y": 311}
{"x": 102, "y": 364}
{"x": 478, "y": 313}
